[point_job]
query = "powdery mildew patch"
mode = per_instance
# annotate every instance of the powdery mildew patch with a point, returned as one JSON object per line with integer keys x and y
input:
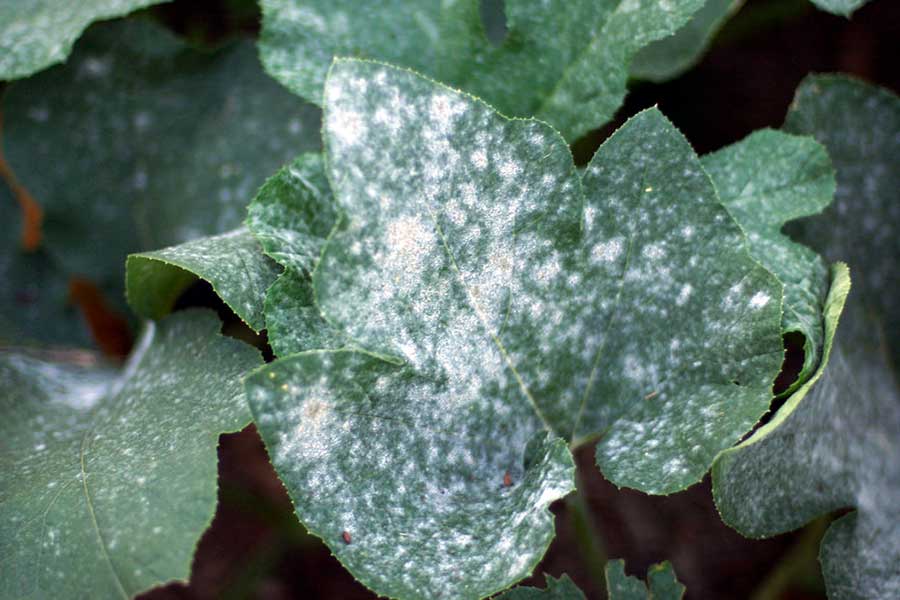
{"x": 508, "y": 299}
{"x": 767, "y": 180}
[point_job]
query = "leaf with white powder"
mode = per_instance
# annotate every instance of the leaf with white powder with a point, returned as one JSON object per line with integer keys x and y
{"x": 767, "y": 180}
{"x": 566, "y": 62}
{"x": 35, "y": 34}
{"x": 834, "y": 443}
{"x": 499, "y": 304}
{"x": 292, "y": 217}
{"x": 233, "y": 263}
{"x": 107, "y": 480}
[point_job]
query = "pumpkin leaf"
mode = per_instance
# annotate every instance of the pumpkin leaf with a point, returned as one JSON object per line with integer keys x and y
{"x": 834, "y": 443}
{"x": 858, "y": 123}
{"x": 563, "y": 61}
{"x": 766, "y": 180}
{"x": 130, "y": 145}
{"x": 292, "y": 217}
{"x": 661, "y": 583}
{"x": 35, "y": 34}
{"x": 233, "y": 263}
{"x": 840, "y": 7}
{"x": 462, "y": 279}
{"x": 557, "y": 589}
{"x": 108, "y": 479}
{"x": 671, "y": 56}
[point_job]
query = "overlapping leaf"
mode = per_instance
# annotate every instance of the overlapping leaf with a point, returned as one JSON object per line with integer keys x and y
{"x": 233, "y": 263}
{"x": 496, "y": 302}
{"x": 107, "y": 480}
{"x": 35, "y": 34}
{"x": 661, "y": 583}
{"x": 132, "y": 144}
{"x": 563, "y": 61}
{"x": 859, "y": 124}
{"x": 840, "y": 7}
{"x": 673, "y": 55}
{"x": 766, "y": 180}
{"x": 292, "y": 216}
{"x": 834, "y": 443}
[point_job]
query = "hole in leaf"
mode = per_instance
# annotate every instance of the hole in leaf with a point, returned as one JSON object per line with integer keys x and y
{"x": 200, "y": 294}
{"x": 794, "y": 356}
{"x": 493, "y": 18}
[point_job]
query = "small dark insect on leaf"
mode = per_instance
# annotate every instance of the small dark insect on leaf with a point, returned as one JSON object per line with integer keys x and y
{"x": 346, "y": 536}
{"x": 507, "y": 479}
{"x": 651, "y": 395}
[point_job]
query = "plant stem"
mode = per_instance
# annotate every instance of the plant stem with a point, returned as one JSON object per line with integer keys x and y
{"x": 587, "y": 536}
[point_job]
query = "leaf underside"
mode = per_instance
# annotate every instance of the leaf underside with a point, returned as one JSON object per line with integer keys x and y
{"x": 462, "y": 334}
{"x": 233, "y": 263}
{"x": 834, "y": 443}
{"x": 565, "y": 62}
{"x": 107, "y": 480}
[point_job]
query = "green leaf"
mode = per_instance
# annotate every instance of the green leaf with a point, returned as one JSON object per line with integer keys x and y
{"x": 35, "y": 34}
{"x": 859, "y": 124}
{"x": 766, "y": 180}
{"x": 840, "y": 7}
{"x": 292, "y": 216}
{"x": 669, "y": 57}
{"x": 429, "y": 269}
{"x": 689, "y": 343}
{"x": 34, "y": 295}
{"x": 661, "y": 583}
{"x": 557, "y": 589}
{"x": 834, "y": 443}
{"x": 107, "y": 480}
{"x": 233, "y": 263}
{"x": 131, "y": 146}
{"x": 563, "y": 61}
{"x": 498, "y": 304}
{"x": 404, "y": 475}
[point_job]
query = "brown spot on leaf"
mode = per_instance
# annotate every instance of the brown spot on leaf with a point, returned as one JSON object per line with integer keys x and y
{"x": 507, "y": 479}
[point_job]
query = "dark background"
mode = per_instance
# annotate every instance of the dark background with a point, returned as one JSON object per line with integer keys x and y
{"x": 255, "y": 547}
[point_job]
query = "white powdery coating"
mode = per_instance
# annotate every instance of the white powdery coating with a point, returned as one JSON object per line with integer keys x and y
{"x": 608, "y": 251}
{"x": 759, "y": 300}
{"x": 469, "y": 255}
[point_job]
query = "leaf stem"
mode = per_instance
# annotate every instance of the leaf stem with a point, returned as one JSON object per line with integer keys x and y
{"x": 588, "y": 538}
